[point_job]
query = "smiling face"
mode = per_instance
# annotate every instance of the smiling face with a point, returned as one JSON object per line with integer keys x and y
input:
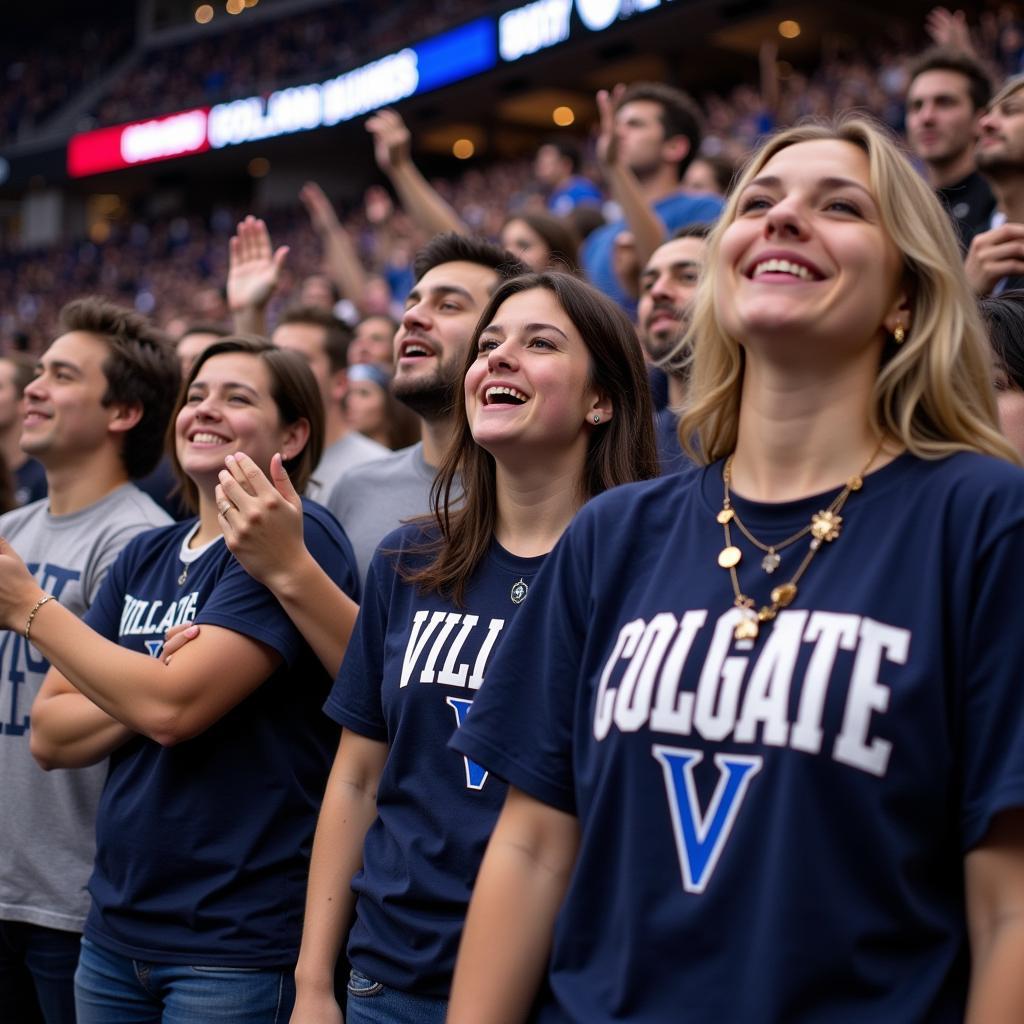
{"x": 229, "y": 408}
{"x": 530, "y": 384}
{"x": 807, "y": 258}
{"x": 430, "y": 345}
{"x": 64, "y": 416}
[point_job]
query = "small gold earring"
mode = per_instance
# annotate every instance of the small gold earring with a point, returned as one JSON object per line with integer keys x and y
{"x": 898, "y": 335}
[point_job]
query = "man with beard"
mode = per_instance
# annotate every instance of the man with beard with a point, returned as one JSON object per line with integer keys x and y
{"x": 948, "y": 93}
{"x": 455, "y": 276}
{"x": 668, "y": 284}
{"x": 995, "y": 261}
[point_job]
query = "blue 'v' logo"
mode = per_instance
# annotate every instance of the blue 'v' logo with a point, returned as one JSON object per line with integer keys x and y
{"x": 701, "y": 837}
{"x": 476, "y": 775}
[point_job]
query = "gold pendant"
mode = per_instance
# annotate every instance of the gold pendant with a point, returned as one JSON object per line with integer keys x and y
{"x": 825, "y": 525}
{"x": 730, "y": 556}
{"x": 783, "y": 595}
{"x": 746, "y": 629}
{"x": 725, "y": 516}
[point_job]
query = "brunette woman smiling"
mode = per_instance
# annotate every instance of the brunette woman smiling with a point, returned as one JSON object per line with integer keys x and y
{"x": 217, "y": 756}
{"x": 554, "y": 410}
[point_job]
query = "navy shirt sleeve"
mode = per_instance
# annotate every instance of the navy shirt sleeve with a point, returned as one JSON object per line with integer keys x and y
{"x": 104, "y": 614}
{"x": 993, "y": 736}
{"x": 241, "y": 604}
{"x": 521, "y": 724}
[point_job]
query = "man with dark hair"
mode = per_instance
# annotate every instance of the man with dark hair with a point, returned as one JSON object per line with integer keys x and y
{"x": 94, "y": 416}
{"x": 195, "y": 340}
{"x": 995, "y": 260}
{"x": 649, "y": 134}
{"x": 556, "y": 168}
{"x": 455, "y": 276}
{"x": 668, "y": 285}
{"x": 949, "y": 91}
{"x": 322, "y": 340}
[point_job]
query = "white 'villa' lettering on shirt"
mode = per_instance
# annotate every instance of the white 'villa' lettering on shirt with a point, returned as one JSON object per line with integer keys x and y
{"x": 143, "y": 618}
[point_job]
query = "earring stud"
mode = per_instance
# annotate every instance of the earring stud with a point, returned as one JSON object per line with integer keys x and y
{"x": 898, "y": 335}
{"x": 597, "y": 418}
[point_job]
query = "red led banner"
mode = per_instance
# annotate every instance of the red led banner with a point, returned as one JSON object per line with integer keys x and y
{"x": 141, "y": 142}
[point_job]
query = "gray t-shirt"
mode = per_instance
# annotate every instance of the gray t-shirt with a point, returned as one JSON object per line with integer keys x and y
{"x": 47, "y": 819}
{"x": 350, "y": 451}
{"x": 373, "y": 499}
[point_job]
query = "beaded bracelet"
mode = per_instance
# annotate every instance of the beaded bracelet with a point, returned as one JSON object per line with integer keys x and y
{"x": 35, "y": 609}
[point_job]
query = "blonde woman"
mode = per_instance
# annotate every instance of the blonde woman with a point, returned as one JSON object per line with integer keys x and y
{"x": 766, "y": 743}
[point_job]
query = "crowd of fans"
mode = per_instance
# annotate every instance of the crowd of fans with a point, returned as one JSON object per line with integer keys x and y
{"x": 644, "y": 437}
{"x": 165, "y": 267}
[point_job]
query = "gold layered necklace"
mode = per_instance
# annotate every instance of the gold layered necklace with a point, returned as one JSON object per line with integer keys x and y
{"x": 824, "y": 527}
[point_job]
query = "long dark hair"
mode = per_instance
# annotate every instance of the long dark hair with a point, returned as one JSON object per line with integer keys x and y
{"x": 294, "y": 391}
{"x": 621, "y": 451}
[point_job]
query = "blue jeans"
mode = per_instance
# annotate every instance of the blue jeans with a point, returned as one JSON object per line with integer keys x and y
{"x": 37, "y": 970}
{"x": 370, "y": 1002}
{"x": 115, "y": 989}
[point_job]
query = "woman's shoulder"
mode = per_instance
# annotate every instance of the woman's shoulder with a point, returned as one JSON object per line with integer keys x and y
{"x": 642, "y": 499}
{"x": 970, "y": 481}
{"x": 410, "y": 544}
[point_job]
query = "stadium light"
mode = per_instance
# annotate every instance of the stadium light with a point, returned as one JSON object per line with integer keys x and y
{"x": 789, "y": 29}
{"x": 463, "y": 149}
{"x": 563, "y": 116}
{"x": 204, "y": 14}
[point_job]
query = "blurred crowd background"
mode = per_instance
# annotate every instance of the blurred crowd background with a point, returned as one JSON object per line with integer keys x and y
{"x": 155, "y": 237}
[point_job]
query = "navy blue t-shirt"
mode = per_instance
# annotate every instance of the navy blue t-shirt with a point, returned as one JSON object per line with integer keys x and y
{"x": 203, "y": 848}
{"x": 774, "y": 831}
{"x": 413, "y": 667}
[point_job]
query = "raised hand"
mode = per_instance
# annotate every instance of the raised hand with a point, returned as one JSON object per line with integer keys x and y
{"x": 254, "y": 267}
{"x": 949, "y": 29}
{"x": 261, "y": 518}
{"x": 391, "y": 140}
{"x": 608, "y": 137}
{"x": 318, "y": 206}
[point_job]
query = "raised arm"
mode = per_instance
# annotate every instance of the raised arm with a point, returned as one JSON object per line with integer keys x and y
{"x": 168, "y": 703}
{"x": 349, "y": 808}
{"x": 263, "y": 526}
{"x": 644, "y": 224}
{"x": 341, "y": 260}
{"x": 392, "y": 150}
{"x": 507, "y": 938}
{"x": 254, "y": 270}
{"x": 69, "y": 730}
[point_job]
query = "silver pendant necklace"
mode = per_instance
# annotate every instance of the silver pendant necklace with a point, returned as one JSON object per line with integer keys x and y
{"x": 519, "y": 591}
